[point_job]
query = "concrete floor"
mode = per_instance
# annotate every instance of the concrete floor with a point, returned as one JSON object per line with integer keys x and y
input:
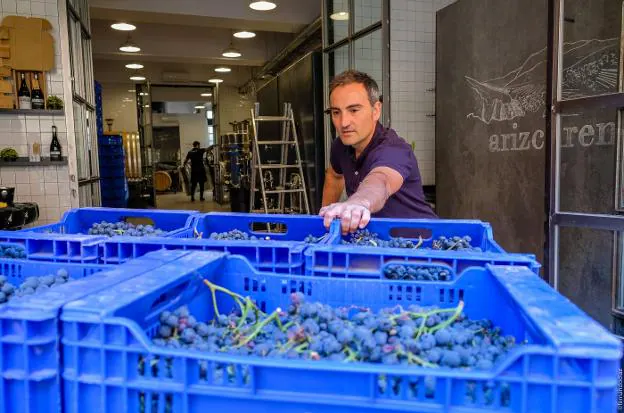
{"x": 182, "y": 201}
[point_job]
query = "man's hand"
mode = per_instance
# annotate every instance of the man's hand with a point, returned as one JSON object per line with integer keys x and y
{"x": 352, "y": 215}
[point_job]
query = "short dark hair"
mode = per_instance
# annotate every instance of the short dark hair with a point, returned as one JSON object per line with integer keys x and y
{"x": 196, "y": 144}
{"x": 354, "y": 76}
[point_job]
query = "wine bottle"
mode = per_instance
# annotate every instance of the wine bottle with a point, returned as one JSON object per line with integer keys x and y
{"x": 55, "y": 147}
{"x": 38, "y": 102}
{"x": 23, "y": 95}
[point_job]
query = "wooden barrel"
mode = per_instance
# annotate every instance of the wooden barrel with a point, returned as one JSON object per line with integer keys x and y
{"x": 162, "y": 181}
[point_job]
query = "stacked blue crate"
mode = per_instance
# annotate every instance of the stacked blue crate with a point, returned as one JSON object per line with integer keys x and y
{"x": 113, "y": 184}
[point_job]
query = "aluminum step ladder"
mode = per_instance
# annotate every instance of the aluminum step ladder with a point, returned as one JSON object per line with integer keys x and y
{"x": 263, "y": 172}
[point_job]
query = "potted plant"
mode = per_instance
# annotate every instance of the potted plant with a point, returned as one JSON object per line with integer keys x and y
{"x": 8, "y": 154}
{"x": 54, "y": 103}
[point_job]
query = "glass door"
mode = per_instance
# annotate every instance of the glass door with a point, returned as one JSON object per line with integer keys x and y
{"x": 585, "y": 224}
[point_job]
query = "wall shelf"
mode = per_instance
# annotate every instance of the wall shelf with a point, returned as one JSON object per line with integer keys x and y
{"x": 35, "y": 112}
{"x": 24, "y": 161}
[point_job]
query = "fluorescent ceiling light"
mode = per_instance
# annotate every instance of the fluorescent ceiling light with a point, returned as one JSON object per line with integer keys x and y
{"x": 262, "y": 5}
{"x": 131, "y": 90}
{"x": 231, "y": 52}
{"x": 341, "y": 15}
{"x": 244, "y": 34}
{"x": 129, "y": 46}
{"x": 135, "y": 66}
{"x": 126, "y": 27}
{"x": 137, "y": 78}
{"x": 206, "y": 94}
{"x": 200, "y": 107}
{"x": 223, "y": 69}
{"x": 146, "y": 106}
{"x": 215, "y": 80}
{"x": 143, "y": 94}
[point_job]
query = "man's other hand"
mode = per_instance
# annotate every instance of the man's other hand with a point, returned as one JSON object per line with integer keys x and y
{"x": 352, "y": 215}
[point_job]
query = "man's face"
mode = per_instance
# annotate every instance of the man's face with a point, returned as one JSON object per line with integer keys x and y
{"x": 352, "y": 114}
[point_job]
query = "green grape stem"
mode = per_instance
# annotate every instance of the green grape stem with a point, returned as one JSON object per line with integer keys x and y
{"x": 259, "y": 327}
{"x": 351, "y": 355}
{"x": 450, "y": 321}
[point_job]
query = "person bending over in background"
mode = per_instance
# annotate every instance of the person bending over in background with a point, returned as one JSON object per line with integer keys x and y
{"x": 377, "y": 167}
{"x": 198, "y": 172}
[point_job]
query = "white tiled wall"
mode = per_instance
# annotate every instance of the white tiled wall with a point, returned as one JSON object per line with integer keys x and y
{"x": 48, "y": 186}
{"x": 412, "y": 78}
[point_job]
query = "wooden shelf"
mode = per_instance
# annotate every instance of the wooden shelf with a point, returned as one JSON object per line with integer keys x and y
{"x": 35, "y": 112}
{"x": 24, "y": 161}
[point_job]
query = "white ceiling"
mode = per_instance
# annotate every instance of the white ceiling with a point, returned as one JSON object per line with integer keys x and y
{"x": 188, "y": 36}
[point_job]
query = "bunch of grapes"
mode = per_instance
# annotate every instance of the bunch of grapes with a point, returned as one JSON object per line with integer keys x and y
{"x": 238, "y": 235}
{"x": 455, "y": 243}
{"x": 366, "y": 238}
{"x": 421, "y": 336}
{"x": 12, "y": 251}
{"x": 31, "y": 285}
{"x": 417, "y": 273}
{"x": 111, "y": 229}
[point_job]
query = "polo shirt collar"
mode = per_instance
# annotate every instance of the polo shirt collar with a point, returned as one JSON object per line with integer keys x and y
{"x": 375, "y": 141}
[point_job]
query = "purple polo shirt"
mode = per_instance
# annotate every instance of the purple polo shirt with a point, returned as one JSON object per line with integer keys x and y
{"x": 385, "y": 149}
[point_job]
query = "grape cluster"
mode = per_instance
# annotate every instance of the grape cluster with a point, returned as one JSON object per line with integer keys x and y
{"x": 238, "y": 235}
{"x": 455, "y": 243}
{"x": 417, "y": 273}
{"x": 112, "y": 229}
{"x": 12, "y": 251}
{"x": 422, "y": 336}
{"x": 31, "y": 285}
{"x": 366, "y": 238}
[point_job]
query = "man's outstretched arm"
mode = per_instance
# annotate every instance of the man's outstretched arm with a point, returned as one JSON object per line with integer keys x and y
{"x": 371, "y": 196}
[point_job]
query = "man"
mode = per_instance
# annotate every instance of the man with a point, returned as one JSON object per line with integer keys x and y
{"x": 377, "y": 167}
{"x": 198, "y": 172}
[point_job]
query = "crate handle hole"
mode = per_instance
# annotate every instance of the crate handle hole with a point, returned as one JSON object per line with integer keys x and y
{"x": 414, "y": 233}
{"x": 267, "y": 228}
{"x": 169, "y": 297}
{"x": 138, "y": 221}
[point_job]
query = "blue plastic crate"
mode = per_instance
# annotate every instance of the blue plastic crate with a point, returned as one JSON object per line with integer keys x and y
{"x": 56, "y": 247}
{"x": 114, "y": 193}
{"x": 113, "y": 172}
{"x": 430, "y": 230}
{"x": 30, "y": 339}
{"x": 359, "y": 262}
{"x": 80, "y": 220}
{"x": 111, "y": 150}
{"x": 283, "y": 253}
{"x": 115, "y": 182}
{"x": 110, "y": 140}
{"x": 569, "y": 363}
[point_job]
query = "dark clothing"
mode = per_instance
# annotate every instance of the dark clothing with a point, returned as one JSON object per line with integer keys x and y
{"x": 198, "y": 172}
{"x": 194, "y": 187}
{"x": 385, "y": 149}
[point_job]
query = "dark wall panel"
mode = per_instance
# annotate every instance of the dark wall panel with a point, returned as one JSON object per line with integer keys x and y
{"x": 491, "y": 75}
{"x": 302, "y": 86}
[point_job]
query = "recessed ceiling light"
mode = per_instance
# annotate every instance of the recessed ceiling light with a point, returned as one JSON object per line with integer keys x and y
{"x": 146, "y": 106}
{"x": 135, "y": 66}
{"x": 143, "y": 94}
{"x": 223, "y": 69}
{"x": 341, "y": 15}
{"x": 137, "y": 78}
{"x": 244, "y": 34}
{"x": 126, "y": 27}
{"x": 262, "y": 5}
{"x": 215, "y": 80}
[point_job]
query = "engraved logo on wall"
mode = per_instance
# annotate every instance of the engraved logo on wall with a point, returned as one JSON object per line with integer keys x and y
{"x": 590, "y": 68}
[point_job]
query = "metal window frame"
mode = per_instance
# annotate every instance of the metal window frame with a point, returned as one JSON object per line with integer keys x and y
{"x": 556, "y": 218}
{"x": 384, "y": 25}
